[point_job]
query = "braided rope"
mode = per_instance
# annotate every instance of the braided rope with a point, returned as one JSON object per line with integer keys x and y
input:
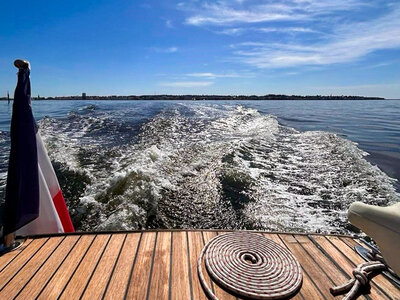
{"x": 372, "y": 255}
{"x": 249, "y": 265}
{"x": 361, "y": 279}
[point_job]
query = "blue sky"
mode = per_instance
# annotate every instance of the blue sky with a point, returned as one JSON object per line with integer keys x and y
{"x": 125, "y": 47}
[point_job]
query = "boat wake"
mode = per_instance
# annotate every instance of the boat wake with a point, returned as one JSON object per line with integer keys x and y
{"x": 207, "y": 166}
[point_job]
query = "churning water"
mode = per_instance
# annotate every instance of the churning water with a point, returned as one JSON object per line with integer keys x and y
{"x": 255, "y": 165}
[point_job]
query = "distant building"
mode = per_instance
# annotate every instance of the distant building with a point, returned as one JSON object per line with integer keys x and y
{"x": 83, "y": 96}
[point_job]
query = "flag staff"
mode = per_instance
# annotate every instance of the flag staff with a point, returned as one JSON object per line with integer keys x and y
{"x": 9, "y": 240}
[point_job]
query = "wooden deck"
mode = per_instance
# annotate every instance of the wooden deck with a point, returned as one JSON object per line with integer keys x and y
{"x": 160, "y": 265}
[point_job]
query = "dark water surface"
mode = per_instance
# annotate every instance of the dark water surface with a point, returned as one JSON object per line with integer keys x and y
{"x": 279, "y": 165}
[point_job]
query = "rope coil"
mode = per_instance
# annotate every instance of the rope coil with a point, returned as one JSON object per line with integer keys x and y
{"x": 249, "y": 265}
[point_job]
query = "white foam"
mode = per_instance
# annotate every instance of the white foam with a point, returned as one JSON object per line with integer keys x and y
{"x": 292, "y": 180}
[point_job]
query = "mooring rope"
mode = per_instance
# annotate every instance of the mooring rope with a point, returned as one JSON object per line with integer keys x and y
{"x": 375, "y": 256}
{"x": 249, "y": 265}
{"x": 361, "y": 279}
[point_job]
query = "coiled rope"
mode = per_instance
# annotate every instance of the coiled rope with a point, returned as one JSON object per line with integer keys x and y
{"x": 362, "y": 275}
{"x": 249, "y": 265}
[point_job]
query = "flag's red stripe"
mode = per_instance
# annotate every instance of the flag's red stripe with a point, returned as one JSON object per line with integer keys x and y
{"x": 63, "y": 213}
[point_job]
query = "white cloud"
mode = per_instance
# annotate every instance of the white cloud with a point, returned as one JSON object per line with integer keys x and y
{"x": 171, "y": 50}
{"x": 380, "y": 65}
{"x": 225, "y": 16}
{"x": 294, "y": 33}
{"x": 231, "y": 12}
{"x": 286, "y": 29}
{"x": 232, "y": 31}
{"x": 348, "y": 43}
{"x": 169, "y": 24}
{"x": 241, "y": 30}
{"x": 213, "y": 75}
{"x": 187, "y": 84}
{"x": 165, "y": 50}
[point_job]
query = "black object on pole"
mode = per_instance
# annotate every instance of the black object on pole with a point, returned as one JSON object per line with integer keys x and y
{"x": 22, "y": 191}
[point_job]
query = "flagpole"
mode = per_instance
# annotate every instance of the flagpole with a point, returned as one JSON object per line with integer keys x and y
{"x": 9, "y": 240}
{"x": 10, "y": 244}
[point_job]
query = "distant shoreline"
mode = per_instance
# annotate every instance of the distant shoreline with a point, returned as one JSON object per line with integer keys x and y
{"x": 205, "y": 97}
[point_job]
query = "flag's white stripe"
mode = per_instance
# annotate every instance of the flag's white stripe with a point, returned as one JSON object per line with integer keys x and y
{"x": 48, "y": 220}
{"x": 47, "y": 168}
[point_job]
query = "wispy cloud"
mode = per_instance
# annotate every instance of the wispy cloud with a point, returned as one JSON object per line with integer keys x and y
{"x": 232, "y": 31}
{"x": 213, "y": 75}
{"x": 168, "y": 24}
{"x": 242, "y": 30}
{"x": 294, "y": 33}
{"x": 287, "y": 29}
{"x": 349, "y": 42}
{"x": 165, "y": 50}
{"x": 187, "y": 84}
{"x": 383, "y": 64}
{"x": 234, "y": 12}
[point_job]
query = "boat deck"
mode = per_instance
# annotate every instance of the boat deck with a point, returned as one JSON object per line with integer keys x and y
{"x": 160, "y": 265}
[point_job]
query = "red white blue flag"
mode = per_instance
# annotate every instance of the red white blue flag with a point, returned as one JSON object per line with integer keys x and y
{"x": 34, "y": 201}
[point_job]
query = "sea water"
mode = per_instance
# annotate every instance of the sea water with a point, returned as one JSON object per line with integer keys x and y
{"x": 274, "y": 165}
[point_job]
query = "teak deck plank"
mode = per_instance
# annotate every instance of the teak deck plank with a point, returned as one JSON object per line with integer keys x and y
{"x": 8, "y": 257}
{"x": 328, "y": 267}
{"x": 19, "y": 262}
{"x": 141, "y": 270}
{"x": 35, "y": 285}
{"x": 118, "y": 283}
{"x": 57, "y": 283}
{"x": 308, "y": 289}
{"x": 180, "y": 281}
{"x": 79, "y": 279}
{"x": 159, "y": 282}
{"x": 97, "y": 284}
{"x": 322, "y": 281}
{"x": 161, "y": 265}
{"x": 195, "y": 247}
{"x": 30, "y": 268}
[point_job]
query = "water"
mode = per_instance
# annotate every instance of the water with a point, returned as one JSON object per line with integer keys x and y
{"x": 276, "y": 165}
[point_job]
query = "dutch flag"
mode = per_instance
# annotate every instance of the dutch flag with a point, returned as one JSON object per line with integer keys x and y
{"x": 34, "y": 201}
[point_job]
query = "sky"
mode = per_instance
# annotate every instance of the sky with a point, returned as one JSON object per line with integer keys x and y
{"x": 246, "y": 47}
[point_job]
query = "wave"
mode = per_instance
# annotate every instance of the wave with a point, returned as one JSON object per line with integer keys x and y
{"x": 208, "y": 166}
